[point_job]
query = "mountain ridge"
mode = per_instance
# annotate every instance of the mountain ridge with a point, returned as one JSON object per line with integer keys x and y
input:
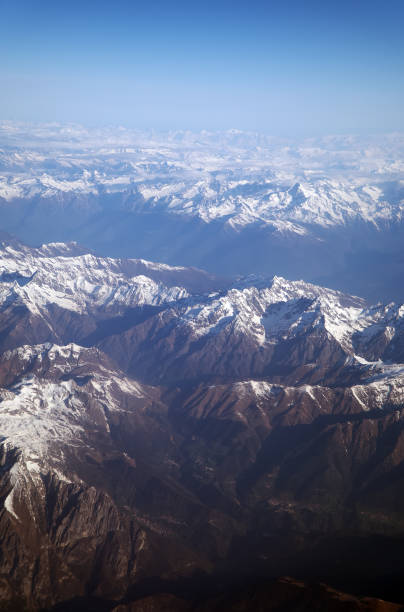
{"x": 197, "y": 427}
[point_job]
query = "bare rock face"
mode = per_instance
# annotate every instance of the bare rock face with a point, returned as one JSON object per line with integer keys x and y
{"x": 77, "y": 538}
{"x": 155, "y": 437}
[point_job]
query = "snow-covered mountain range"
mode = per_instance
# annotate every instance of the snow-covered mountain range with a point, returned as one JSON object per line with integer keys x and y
{"x": 73, "y": 295}
{"x": 161, "y": 425}
{"x": 242, "y": 179}
{"x": 262, "y": 336}
{"x": 149, "y": 408}
{"x": 229, "y": 202}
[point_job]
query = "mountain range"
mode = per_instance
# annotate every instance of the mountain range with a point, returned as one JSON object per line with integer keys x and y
{"x": 326, "y": 210}
{"x": 170, "y": 433}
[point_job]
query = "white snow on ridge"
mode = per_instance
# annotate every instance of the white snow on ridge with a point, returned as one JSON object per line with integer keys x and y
{"x": 43, "y": 416}
{"x": 40, "y": 412}
{"x": 267, "y": 310}
{"x": 241, "y": 179}
{"x": 77, "y": 283}
{"x": 59, "y": 359}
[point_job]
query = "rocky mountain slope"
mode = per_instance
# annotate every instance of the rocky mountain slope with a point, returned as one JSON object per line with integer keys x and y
{"x": 162, "y": 428}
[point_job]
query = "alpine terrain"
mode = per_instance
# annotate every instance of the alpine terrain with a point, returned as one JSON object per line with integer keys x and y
{"x": 328, "y": 210}
{"x": 176, "y": 440}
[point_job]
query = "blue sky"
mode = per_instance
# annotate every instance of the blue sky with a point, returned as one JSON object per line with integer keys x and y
{"x": 291, "y": 67}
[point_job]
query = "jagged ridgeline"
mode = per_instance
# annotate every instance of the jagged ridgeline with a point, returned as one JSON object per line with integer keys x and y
{"x": 164, "y": 430}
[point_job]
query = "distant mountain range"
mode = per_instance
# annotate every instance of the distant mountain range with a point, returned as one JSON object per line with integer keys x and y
{"x": 163, "y": 428}
{"x": 328, "y": 210}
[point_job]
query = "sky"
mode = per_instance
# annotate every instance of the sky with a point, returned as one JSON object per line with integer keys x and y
{"x": 287, "y": 67}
